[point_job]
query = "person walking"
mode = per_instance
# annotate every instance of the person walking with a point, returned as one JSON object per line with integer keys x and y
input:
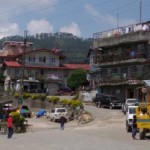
{"x": 62, "y": 122}
{"x": 10, "y": 126}
{"x": 134, "y": 127}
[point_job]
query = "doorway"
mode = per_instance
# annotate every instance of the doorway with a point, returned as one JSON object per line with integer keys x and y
{"x": 130, "y": 93}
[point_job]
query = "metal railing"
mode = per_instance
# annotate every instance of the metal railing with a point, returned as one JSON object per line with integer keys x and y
{"x": 122, "y": 31}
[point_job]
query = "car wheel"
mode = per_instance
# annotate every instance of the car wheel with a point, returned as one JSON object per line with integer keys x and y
{"x": 110, "y": 106}
{"x": 142, "y": 134}
{"x": 128, "y": 128}
{"x": 99, "y": 105}
{"x": 53, "y": 119}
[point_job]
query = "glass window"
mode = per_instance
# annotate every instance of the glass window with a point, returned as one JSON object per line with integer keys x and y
{"x": 61, "y": 110}
{"x": 53, "y": 110}
{"x": 131, "y": 110}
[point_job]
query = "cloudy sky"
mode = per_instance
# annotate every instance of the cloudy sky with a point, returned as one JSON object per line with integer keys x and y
{"x": 79, "y": 17}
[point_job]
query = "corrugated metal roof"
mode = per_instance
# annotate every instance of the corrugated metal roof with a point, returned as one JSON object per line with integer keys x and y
{"x": 12, "y": 63}
{"x": 147, "y": 82}
{"x": 77, "y": 66}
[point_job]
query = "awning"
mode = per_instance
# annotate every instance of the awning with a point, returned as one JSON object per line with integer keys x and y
{"x": 147, "y": 82}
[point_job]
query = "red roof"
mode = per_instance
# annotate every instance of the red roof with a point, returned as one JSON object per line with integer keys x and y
{"x": 44, "y": 49}
{"x": 65, "y": 66}
{"x": 16, "y": 64}
{"x": 77, "y": 66}
{"x": 12, "y": 63}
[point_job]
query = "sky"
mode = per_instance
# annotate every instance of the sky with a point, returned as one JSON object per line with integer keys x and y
{"x": 82, "y": 18}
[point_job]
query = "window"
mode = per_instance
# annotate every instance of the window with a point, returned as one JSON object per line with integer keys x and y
{"x": 31, "y": 58}
{"x": 42, "y": 72}
{"x": 141, "y": 47}
{"x": 53, "y": 110}
{"x": 53, "y": 60}
{"x": 42, "y": 59}
{"x": 17, "y": 71}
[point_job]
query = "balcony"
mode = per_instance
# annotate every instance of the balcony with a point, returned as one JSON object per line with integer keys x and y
{"x": 118, "y": 79}
{"x": 114, "y": 59}
{"x": 110, "y": 38}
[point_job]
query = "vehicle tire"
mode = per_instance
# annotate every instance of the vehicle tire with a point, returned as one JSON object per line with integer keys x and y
{"x": 99, "y": 104}
{"x": 110, "y": 106}
{"x": 142, "y": 134}
{"x": 128, "y": 128}
{"x": 53, "y": 119}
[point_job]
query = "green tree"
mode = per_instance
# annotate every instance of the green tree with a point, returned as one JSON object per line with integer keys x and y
{"x": 77, "y": 78}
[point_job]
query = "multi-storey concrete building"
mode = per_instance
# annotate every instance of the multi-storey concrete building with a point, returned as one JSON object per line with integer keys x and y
{"x": 119, "y": 60}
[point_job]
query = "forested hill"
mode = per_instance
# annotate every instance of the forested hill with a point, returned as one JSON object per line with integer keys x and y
{"x": 74, "y": 48}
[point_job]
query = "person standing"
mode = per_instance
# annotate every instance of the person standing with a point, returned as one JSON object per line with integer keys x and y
{"x": 134, "y": 127}
{"x": 10, "y": 126}
{"x": 62, "y": 122}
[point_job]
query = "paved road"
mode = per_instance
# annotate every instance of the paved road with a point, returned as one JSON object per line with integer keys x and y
{"x": 106, "y": 132}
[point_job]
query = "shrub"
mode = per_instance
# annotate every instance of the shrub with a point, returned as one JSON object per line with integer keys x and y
{"x": 65, "y": 102}
{"x": 33, "y": 97}
{"x": 54, "y": 99}
{"x": 18, "y": 122}
{"x": 16, "y": 95}
{"x": 26, "y": 95}
{"x": 75, "y": 103}
{"x": 42, "y": 97}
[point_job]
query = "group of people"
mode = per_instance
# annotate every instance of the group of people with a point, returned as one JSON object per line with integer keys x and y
{"x": 63, "y": 120}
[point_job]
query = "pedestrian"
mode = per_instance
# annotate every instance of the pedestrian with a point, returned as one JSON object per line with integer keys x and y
{"x": 10, "y": 126}
{"x": 134, "y": 127}
{"x": 62, "y": 122}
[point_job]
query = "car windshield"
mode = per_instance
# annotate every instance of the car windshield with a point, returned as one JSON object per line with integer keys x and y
{"x": 114, "y": 98}
{"x": 131, "y": 101}
{"x": 61, "y": 110}
{"x": 131, "y": 110}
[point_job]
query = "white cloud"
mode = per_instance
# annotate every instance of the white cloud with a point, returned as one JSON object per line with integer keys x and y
{"x": 39, "y": 26}
{"x": 8, "y": 30}
{"x": 16, "y": 8}
{"x": 72, "y": 28}
{"x": 107, "y": 18}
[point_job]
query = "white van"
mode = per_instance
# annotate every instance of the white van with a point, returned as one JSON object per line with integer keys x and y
{"x": 56, "y": 113}
{"x": 131, "y": 111}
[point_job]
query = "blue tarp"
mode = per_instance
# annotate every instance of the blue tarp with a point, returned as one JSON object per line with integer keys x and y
{"x": 22, "y": 111}
{"x": 41, "y": 113}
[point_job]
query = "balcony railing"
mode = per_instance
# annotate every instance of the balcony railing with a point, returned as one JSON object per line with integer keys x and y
{"x": 121, "y": 31}
{"x": 118, "y": 57}
{"x": 120, "y": 78}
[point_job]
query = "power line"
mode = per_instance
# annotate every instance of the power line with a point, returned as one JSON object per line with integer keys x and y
{"x": 19, "y": 7}
{"x": 74, "y": 11}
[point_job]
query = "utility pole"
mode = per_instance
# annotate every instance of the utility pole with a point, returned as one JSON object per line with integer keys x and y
{"x": 140, "y": 11}
{"x": 23, "y": 61}
{"x": 117, "y": 20}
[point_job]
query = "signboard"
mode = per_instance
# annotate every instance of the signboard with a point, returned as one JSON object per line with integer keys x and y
{"x": 53, "y": 76}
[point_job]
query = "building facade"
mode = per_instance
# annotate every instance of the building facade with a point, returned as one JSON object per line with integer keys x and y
{"x": 119, "y": 60}
{"x": 41, "y": 64}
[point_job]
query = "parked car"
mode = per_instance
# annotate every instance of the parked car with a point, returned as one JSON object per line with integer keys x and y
{"x": 56, "y": 113}
{"x": 129, "y": 102}
{"x": 65, "y": 91}
{"x": 109, "y": 101}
